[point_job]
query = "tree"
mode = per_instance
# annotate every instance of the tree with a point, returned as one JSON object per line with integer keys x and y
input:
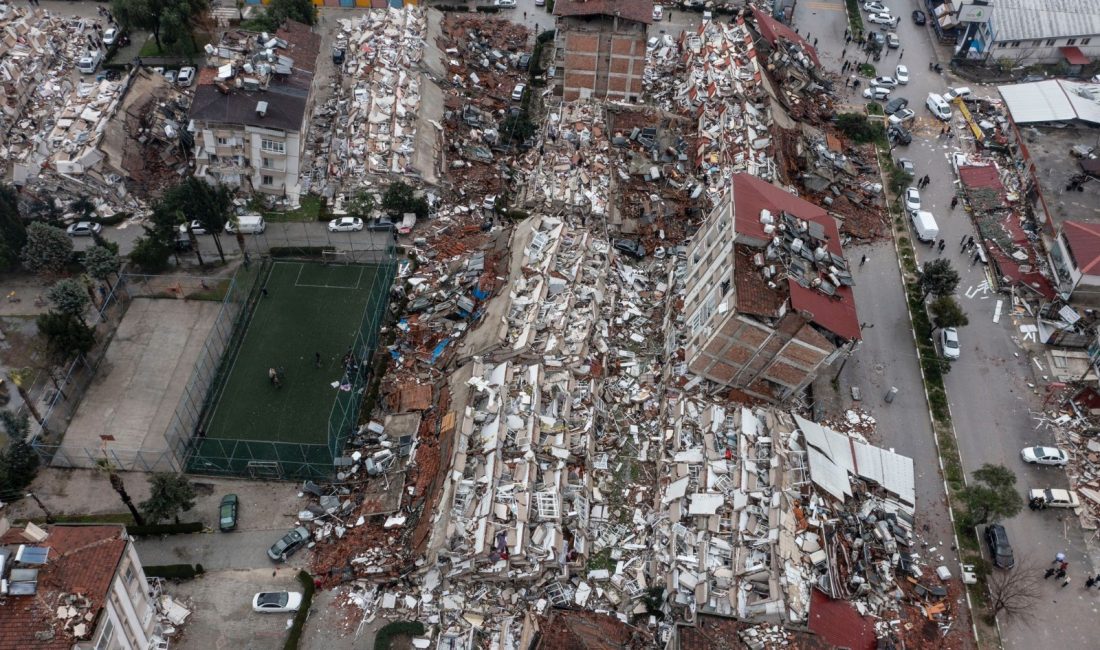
{"x": 167, "y": 20}
{"x": 169, "y": 494}
{"x": 947, "y": 312}
{"x": 1013, "y": 593}
{"x": 45, "y": 210}
{"x": 18, "y": 467}
{"x": 362, "y": 204}
{"x": 857, "y": 127}
{"x": 83, "y": 207}
{"x": 939, "y": 278}
{"x": 65, "y": 334}
{"x": 13, "y": 234}
{"x": 991, "y": 496}
{"x": 48, "y": 249}
{"x": 16, "y": 426}
{"x": 118, "y": 486}
{"x": 101, "y": 262}
{"x": 400, "y": 198}
{"x": 517, "y": 128}
{"x": 195, "y": 199}
{"x": 69, "y": 296}
{"x": 279, "y": 11}
{"x": 150, "y": 254}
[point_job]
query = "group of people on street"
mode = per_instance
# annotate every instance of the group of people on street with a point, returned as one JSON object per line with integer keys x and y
{"x": 1062, "y": 567}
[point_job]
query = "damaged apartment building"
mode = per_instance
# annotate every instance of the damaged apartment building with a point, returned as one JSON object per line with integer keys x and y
{"x": 252, "y": 107}
{"x": 601, "y": 45}
{"x": 768, "y": 299}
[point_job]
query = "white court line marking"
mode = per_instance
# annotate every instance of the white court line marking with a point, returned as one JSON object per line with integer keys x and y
{"x": 358, "y": 281}
{"x": 997, "y": 311}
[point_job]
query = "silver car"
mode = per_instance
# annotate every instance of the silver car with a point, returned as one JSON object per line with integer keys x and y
{"x": 1044, "y": 455}
{"x": 949, "y": 343}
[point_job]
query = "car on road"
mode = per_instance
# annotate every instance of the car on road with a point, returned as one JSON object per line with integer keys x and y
{"x": 907, "y": 166}
{"x": 939, "y": 107}
{"x": 912, "y": 199}
{"x": 997, "y": 538}
{"x": 878, "y": 37}
{"x": 84, "y": 229}
{"x": 89, "y": 62}
{"x": 186, "y": 76}
{"x": 517, "y": 92}
{"x": 540, "y": 3}
{"x": 276, "y": 602}
{"x": 382, "y": 223}
{"x": 345, "y": 224}
{"x": 878, "y": 93}
{"x": 1052, "y": 498}
{"x": 901, "y": 73}
{"x": 886, "y": 82}
{"x": 883, "y": 19}
{"x": 658, "y": 14}
{"x": 919, "y": 17}
{"x": 524, "y": 62}
{"x": 902, "y": 116}
{"x": 949, "y": 343}
{"x": 110, "y": 36}
{"x": 196, "y": 227}
{"x": 892, "y": 41}
{"x": 339, "y": 53}
{"x": 1044, "y": 455}
{"x": 876, "y": 7}
{"x": 289, "y": 544}
{"x": 960, "y": 91}
{"x": 895, "y": 105}
{"x": 631, "y": 248}
{"x": 227, "y": 513}
{"x": 505, "y": 4}
{"x": 898, "y": 134}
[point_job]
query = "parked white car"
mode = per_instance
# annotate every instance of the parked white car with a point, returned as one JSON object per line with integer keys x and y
{"x": 883, "y": 19}
{"x": 876, "y": 7}
{"x": 505, "y": 4}
{"x": 1044, "y": 455}
{"x": 345, "y": 224}
{"x": 902, "y": 116}
{"x": 876, "y": 92}
{"x": 912, "y": 199}
{"x": 1051, "y": 498}
{"x": 196, "y": 227}
{"x": 901, "y": 73}
{"x": 949, "y": 343}
{"x": 887, "y": 82}
{"x": 84, "y": 229}
{"x": 186, "y": 76}
{"x": 276, "y": 602}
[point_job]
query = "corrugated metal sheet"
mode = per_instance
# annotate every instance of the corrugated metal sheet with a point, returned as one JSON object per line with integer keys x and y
{"x": 833, "y": 456}
{"x": 1018, "y": 20}
{"x": 1053, "y": 100}
{"x": 828, "y": 476}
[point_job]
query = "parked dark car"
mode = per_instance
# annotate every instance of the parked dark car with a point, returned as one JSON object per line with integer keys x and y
{"x": 918, "y": 17}
{"x": 338, "y": 55}
{"x": 289, "y": 544}
{"x": 227, "y": 513}
{"x": 524, "y": 62}
{"x": 899, "y": 135}
{"x": 999, "y": 548}
{"x": 382, "y": 223}
{"x": 895, "y": 105}
{"x": 631, "y": 248}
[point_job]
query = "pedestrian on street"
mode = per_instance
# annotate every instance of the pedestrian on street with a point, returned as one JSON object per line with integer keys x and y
{"x": 942, "y": 244}
{"x": 1090, "y": 582}
{"x": 954, "y": 202}
{"x": 862, "y": 261}
{"x": 900, "y": 54}
{"x": 1060, "y": 573}
{"x": 1049, "y": 572}
{"x": 974, "y": 259}
{"x": 815, "y": 42}
{"x": 970, "y": 242}
{"x": 1063, "y": 566}
{"x": 962, "y": 242}
{"x": 1066, "y": 582}
{"x": 848, "y": 39}
{"x": 1096, "y": 579}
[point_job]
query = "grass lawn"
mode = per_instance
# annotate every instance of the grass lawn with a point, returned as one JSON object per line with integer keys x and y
{"x": 187, "y": 46}
{"x": 308, "y": 210}
{"x": 310, "y": 308}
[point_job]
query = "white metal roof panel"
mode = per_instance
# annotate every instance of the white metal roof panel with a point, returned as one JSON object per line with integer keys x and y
{"x": 1084, "y": 97}
{"x": 1018, "y": 20}
{"x": 1042, "y": 101}
{"x": 893, "y": 472}
{"x": 828, "y": 475}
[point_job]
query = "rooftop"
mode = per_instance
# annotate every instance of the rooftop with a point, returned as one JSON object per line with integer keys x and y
{"x": 637, "y": 10}
{"x": 79, "y": 567}
{"x": 246, "y": 70}
{"x": 771, "y": 29}
{"x": 1052, "y": 100}
{"x": 1084, "y": 239}
{"x": 1049, "y": 149}
{"x": 1017, "y": 20}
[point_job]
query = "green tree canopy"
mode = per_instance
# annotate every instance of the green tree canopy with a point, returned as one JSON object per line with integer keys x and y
{"x": 65, "y": 334}
{"x": 48, "y": 249}
{"x": 69, "y": 296}
{"x": 196, "y": 200}
{"x": 101, "y": 262}
{"x": 939, "y": 278}
{"x": 168, "y": 20}
{"x": 858, "y": 127}
{"x": 13, "y": 234}
{"x": 18, "y": 467}
{"x": 150, "y": 253}
{"x": 401, "y": 198}
{"x": 16, "y": 426}
{"x": 83, "y": 207}
{"x": 362, "y": 204}
{"x": 992, "y": 495}
{"x": 169, "y": 495}
{"x": 946, "y": 312}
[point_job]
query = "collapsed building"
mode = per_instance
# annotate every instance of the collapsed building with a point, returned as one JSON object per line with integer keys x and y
{"x": 251, "y": 108}
{"x": 601, "y": 46}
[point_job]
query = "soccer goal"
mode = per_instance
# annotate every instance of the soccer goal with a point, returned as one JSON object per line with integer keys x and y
{"x": 335, "y": 257}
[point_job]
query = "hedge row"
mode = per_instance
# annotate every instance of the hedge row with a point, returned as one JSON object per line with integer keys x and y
{"x": 300, "y": 616}
{"x": 165, "y": 529}
{"x": 174, "y": 571}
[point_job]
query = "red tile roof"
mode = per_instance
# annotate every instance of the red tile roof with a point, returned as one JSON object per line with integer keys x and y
{"x": 82, "y": 560}
{"x": 771, "y": 29}
{"x": 754, "y": 296}
{"x": 637, "y": 10}
{"x": 1084, "y": 239}
{"x": 751, "y": 195}
{"x": 983, "y": 176}
{"x": 837, "y": 622}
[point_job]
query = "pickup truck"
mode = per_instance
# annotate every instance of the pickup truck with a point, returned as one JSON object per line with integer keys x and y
{"x": 1050, "y": 498}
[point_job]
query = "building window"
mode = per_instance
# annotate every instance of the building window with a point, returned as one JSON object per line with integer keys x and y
{"x": 1050, "y": 42}
{"x": 1071, "y": 41}
{"x": 267, "y": 180}
{"x": 106, "y": 636}
{"x": 1015, "y": 43}
{"x": 129, "y": 576}
{"x": 1038, "y": 43}
{"x": 223, "y": 141}
{"x": 1085, "y": 41}
{"x": 268, "y": 163}
{"x": 273, "y": 146}
{"x": 725, "y": 287}
{"x": 213, "y": 158}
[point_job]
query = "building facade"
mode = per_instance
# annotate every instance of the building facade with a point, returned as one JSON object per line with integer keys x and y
{"x": 1023, "y": 32}
{"x": 601, "y": 44}
{"x": 73, "y": 587}
{"x": 768, "y": 299}
{"x": 252, "y": 108}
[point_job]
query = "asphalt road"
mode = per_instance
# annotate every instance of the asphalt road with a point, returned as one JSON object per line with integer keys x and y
{"x": 989, "y": 387}
{"x": 244, "y": 549}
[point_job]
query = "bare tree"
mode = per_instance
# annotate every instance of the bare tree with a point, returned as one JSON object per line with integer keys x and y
{"x": 1013, "y": 592}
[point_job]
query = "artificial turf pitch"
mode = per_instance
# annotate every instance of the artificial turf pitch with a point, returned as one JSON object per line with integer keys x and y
{"x": 308, "y": 308}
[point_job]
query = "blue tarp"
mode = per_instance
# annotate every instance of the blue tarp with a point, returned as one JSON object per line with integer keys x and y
{"x": 439, "y": 349}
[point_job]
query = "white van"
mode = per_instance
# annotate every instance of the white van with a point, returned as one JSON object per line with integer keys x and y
{"x": 249, "y": 224}
{"x": 89, "y": 62}
{"x": 939, "y": 107}
{"x": 961, "y": 91}
{"x": 924, "y": 225}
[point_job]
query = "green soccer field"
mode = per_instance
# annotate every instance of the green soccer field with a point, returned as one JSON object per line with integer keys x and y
{"x": 309, "y": 308}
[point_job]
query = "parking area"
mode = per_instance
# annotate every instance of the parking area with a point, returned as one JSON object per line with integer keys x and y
{"x": 221, "y": 610}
